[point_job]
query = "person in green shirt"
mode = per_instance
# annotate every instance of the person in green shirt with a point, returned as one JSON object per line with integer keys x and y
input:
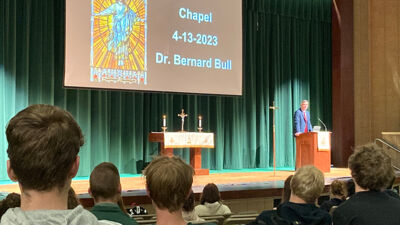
{"x": 105, "y": 189}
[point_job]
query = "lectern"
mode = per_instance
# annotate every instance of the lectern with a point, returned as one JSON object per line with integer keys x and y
{"x": 193, "y": 140}
{"x": 314, "y": 148}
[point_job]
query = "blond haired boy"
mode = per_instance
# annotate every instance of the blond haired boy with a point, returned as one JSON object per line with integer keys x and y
{"x": 306, "y": 186}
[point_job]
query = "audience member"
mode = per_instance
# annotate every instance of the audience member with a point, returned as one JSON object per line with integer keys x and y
{"x": 105, "y": 188}
{"x": 306, "y": 186}
{"x": 372, "y": 172}
{"x": 210, "y": 202}
{"x": 390, "y": 191}
{"x": 168, "y": 182}
{"x": 188, "y": 213}
{"x": 337, "y": 195}
{"x": 286, "y": 190}
{"x": 12, "y": 200}
{"x": 43, "y": 146}
{"x": 72, "y": 199}
{"x": 350, "y": 187}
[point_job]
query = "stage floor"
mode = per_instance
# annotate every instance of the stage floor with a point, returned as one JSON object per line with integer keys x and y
{"x": 226, "y": 181}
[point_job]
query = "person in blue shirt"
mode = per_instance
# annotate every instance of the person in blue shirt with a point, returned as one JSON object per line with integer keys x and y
{"x": 302, "y": 120}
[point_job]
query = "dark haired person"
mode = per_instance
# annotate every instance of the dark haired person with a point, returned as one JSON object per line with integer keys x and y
{"x": 372, "y": 172}
{"x": 72, "y": 199}
{"x": 390, "y": 191}
{"x": 168, "y": 183}
{"x": 11, "y": 201}
{"x": 105, "y": 188}
{"x": 210, "y": 202}
{"x": 188, "y": 213}
{"x": 286, "y": 189}
{"x": 350, "y": 187}
{"x": 43, "y": 147}
{"x": 337, "y": 195}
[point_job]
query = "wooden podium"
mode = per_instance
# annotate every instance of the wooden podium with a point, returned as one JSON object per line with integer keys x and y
{"x": 314, "y": 148}
{"x": 193, "y": 140}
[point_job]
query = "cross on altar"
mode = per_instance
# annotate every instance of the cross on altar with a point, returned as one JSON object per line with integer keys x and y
{"x": 182, "y": 115}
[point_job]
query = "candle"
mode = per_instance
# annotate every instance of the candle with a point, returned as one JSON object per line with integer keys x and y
{"x": 200, "y": 121}
{"x": 164, "y": 120}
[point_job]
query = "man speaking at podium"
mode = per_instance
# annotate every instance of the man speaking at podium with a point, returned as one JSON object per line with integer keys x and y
{"x": 302, "y": 119}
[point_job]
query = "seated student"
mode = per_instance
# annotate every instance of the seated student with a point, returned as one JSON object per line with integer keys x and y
{"x": 286, "y": 190}
{"x": 337, "y": 195}
{"x": 210, "y": 202}
{"x": 168, "y": 183}
{"x": 350, "y": 187}
{"x": 372, "y": 172}
{"x": 72, "y": 199}
{"x": 11, "y": 201}
{"x": 307, "y": 185}
{"x": 105, "y": 188}
{"x": 43, "y": 147}
{"x": 188, "y": 213}
{"x": 390, "y": 191}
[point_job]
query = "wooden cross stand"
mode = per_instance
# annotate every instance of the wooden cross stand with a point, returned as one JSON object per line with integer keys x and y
{"x": 273, "y": 108}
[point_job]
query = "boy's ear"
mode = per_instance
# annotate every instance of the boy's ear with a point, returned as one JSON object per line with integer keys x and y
{"x": 119, "y": 188}
{"x": 74, "y": 168}
{"x": 148, "y": 192}
{"x": 10, "y": 172}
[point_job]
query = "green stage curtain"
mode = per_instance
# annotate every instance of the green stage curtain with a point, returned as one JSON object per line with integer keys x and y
{"x": 287, "y": 58}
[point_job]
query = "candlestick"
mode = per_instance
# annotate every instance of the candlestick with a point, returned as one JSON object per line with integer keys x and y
{"x": 200, "y": 128}
{"x": 164, "y": 121}
{"x": 200, "y": 120}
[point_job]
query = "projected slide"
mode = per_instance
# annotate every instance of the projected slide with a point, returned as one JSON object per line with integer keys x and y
{"x": 146, "y": 45}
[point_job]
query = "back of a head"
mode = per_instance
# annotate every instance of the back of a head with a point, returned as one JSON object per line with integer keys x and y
{"x": 338, "y": 188}
{"x": 43, "y": 143}
{"x": 72, "y": 199}
{"x": 188, "y": 206}
{"x": 351, "y": 189}
{"x": 105, "y": 182}
{"x": 11, "y": 201}
{"x": 307, "y": 183}
{"x": 286, "y": 189}
{"x": 371, "y": 168}
{"x": 168, "y": 181}
{"x": 210, "y": 194}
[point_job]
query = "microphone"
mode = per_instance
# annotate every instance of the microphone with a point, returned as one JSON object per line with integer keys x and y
{"x": 322, "y": 123}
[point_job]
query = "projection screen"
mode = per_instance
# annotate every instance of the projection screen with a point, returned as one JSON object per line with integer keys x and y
{"x": 165, "y": 45}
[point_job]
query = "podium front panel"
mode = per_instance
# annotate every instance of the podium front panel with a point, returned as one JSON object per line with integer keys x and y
{"x": 309, "y": 153}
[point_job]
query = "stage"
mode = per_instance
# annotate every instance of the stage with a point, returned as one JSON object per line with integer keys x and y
{"x": 233, "y": 185}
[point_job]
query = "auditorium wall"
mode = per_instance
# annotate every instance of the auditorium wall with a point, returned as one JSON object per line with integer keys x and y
{"x": 376, "y": 68}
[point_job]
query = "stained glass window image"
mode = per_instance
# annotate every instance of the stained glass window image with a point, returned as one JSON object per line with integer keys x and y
{"x": 118, "y": 41}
